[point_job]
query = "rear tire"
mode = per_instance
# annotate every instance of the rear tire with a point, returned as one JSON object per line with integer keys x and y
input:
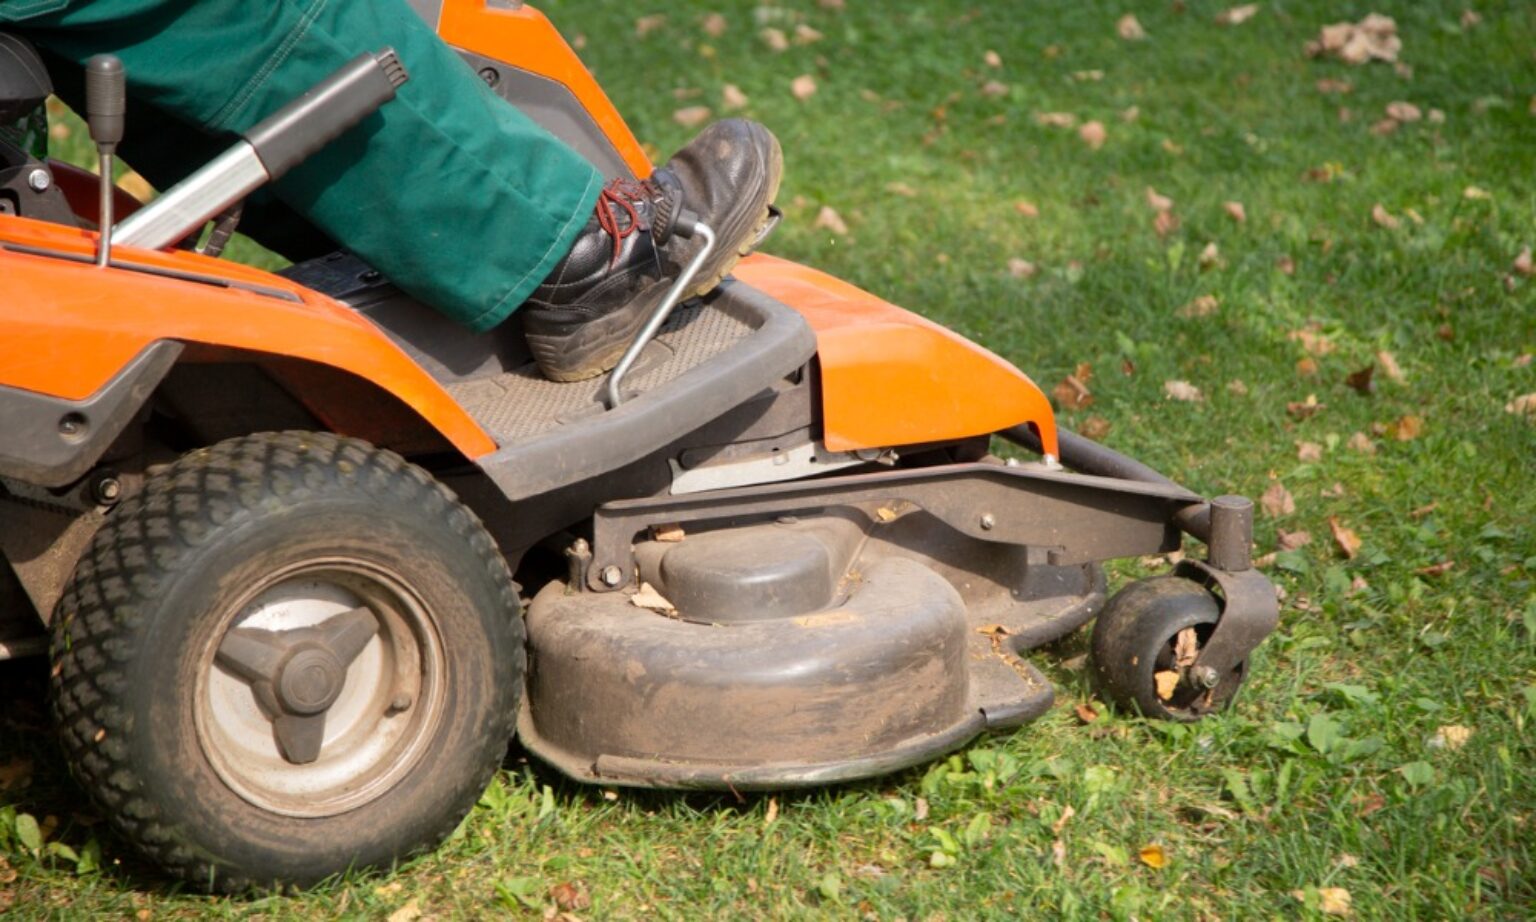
{"x": 282, "y": 538}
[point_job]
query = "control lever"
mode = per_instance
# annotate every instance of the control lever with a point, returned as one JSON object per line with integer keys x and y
{"x": 106, "y": 105}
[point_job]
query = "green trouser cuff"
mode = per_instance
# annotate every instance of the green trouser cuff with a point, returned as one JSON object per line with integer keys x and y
{"x": 457, "y": 197}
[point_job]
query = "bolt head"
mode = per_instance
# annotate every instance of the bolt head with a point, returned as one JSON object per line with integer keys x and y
{"x": 612, "y": 575}
{"x": 39, "y": 180}
{"x": 1205, "y": 676}
{"x": 988, "y": 522}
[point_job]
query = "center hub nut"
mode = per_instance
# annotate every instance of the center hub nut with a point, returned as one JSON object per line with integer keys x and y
{"x": 311, "y": 681}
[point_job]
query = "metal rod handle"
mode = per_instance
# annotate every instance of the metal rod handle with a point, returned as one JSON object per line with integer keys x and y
{"x": 612, "y": 395}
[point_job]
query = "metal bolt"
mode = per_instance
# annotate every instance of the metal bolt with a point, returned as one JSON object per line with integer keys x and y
{"x": 987, "y": 521}
{"x": 39, "y": 180}
{"x": 401, "y": 702}
{"x": 1205, "y": 676}
{"x": 108, "y": 490}
{"x": 490, "y": 75}
{"x": 612, "y": 575}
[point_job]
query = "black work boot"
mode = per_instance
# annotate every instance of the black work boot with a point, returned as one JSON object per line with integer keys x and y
{"x": 580, "y": 321}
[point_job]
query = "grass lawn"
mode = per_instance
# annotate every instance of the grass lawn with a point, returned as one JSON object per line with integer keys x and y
{"x": 1384, "y": 751}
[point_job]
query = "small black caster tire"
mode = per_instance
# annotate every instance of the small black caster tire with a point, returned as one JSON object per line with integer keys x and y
{"x": 1136, "y": 650}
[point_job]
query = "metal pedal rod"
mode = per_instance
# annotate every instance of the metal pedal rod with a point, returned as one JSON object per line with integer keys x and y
{"x": 612, "y": 395}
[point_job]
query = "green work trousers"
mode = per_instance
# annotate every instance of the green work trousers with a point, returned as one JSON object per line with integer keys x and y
{"x": 457, "y": 197}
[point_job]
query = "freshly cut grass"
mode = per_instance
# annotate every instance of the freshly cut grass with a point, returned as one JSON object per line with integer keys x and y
{"x": 1383, "y": 751}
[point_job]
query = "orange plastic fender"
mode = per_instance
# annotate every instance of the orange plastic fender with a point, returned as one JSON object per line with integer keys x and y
{"x": 521, "y": 36}
{"x": 890, "y": 377}
{"x": 70, "y": 326}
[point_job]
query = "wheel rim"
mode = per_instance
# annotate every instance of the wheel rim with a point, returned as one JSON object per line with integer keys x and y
{"x": 322, "y": 687}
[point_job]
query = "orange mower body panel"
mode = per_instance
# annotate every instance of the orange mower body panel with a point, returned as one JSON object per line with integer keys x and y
{"x": 70, "y": 328}
{"x": 890, "y": 377}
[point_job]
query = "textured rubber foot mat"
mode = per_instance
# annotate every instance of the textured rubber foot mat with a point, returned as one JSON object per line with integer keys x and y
{"x": 522, "y": 403}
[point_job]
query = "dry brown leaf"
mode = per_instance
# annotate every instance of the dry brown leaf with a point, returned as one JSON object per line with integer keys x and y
{"x": 1072, "y": 391}
{"x": 1087, "y": 76}
{"x": 1406, "y": 429}
{"x": 1329, "y": 86}
{"x": 1381, "y": 129}
{"x": 1067, "y": 813}
{"x": 1333, "y": 901}
{"x": 670, "y": 533}
{"x": 1235, "y": 211}
{"x": 1203, "y": 306}
{"x": 648, "y": 597}
{"x": 1389, "y": 366}
{"x": 1286, "y": 265}
{"x": 1086, "y": 713}
{"x": 1165, "y": 223}
{"x": 1183, "y": 390}
{"x": 1237, "y": 15}
{"x": 1157, "y": 201}
{"x": 570, "y": 896}
{"x": 1435, "y": 116}
{"x": 1026, "y": 208}
{"x": 1384, "y": 218}
{"x": 1291, "y": 540}
{"x": 692, "y": 116}
{"x": 803, "y": 86}
{"x": 1093, "y": 134}
{"x": 1403, "y": 111}
{"x": 410, "y": 912}
{"x": 901, "y": 189}
{"x": 1056, "y": 119}
{"x": 775, "y": 39}
{"x": 1170, "y": 146}
{"x": 1022, "y": 268}
{"x": 772, "y": 813}
{"x": 1129, "y": 29}
{"x": 1309, "y": 452}
{"x": 829, "y": 220}
{"x": 1524, "y": 405}
{"x": 645, "y": 25}
{"x": 1373, "y": 38}
{"x": 1277, "y": 501}
{"x": 920, "y": 809}
{"x": 1523, "y": 264}
{"x": 1153, "y": 856}
{"x": 1210, "y": 256}
{"x": 1455, "y": 735}
{"x": 714, "y": 25}
{"x": 1167, "y": 682}
{"x": 992, "y": 59}
{"x": 1436, "y": 569}
{"x": 1305, "y": 409}
{"x": 1306, "y": 367}
{"x": 1363, "y": 381}
{"x": 1423, "y": 510}
{"x": 994, "y": 89}
{"x": 1094, "y": 427}
{"x": 1130, "y": 113}
{"x": 1522, "y": 360}
{"x": 805, "y": 35}
{"x": 1344, "y": 538}
{"x": 1470, "y": 18}
{"x": 1312, "y": 340}
{"x": 731, "y": 97}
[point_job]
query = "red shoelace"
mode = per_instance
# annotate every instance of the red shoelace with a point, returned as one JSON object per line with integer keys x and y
{"x": 617, "y": 199}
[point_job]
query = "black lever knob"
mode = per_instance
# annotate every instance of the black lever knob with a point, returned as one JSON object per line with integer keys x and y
{"x": 106, "y": 100}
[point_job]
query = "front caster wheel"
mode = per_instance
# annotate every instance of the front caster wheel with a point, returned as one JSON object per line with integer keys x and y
{"x": 290, "y": 655}
{"x": 1145, "y": 644}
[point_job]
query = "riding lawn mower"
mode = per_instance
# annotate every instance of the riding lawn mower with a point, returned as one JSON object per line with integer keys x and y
{"x": 306, "y": 555}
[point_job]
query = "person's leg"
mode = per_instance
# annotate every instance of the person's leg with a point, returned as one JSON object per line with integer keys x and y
{"x": 458, "y": 198}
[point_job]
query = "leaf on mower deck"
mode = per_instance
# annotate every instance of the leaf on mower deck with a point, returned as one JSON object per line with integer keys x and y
{"x": 1183, "y": 390}
{"x": 803, "y": 87}
{"x": 1153, "y": 856}
{"x": 1237, "y": 15}
{"x": 1277, "y": 501}
{"x": 1167, "y": 682}
{"x": 1309, "y": 452}
{"x": 670, "y": 533}
{"x": 1093, "y": 134}
{"x": 1128, "y": 27}
{"x": 647, "y": 597}
{"x": 1363, "y": 381}
{"x": 692, "y": 116}
{"x": 1344, "y": 538}
{"x": 1186, "y": 648}
{"x": 829, "y": 220}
